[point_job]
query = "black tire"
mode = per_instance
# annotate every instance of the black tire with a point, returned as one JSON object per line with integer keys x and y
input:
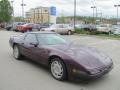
{"x": 8, "y": 29}
{"x": 23, "y": 31}
{"x": 52, "y": 30}
{"x": 16, "y": 52}
{"x": 15, "y": 30}
{"x": 64, "y": 72}
{"x": 69, "y": 32}
{"x": 109, "y": 32}
{"x": 30, "y": 30}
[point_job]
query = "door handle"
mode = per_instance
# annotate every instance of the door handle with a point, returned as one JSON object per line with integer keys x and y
{"x": 33, "y": 44}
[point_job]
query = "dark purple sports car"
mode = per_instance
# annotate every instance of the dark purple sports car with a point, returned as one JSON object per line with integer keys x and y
{"x": 65, "y": 61}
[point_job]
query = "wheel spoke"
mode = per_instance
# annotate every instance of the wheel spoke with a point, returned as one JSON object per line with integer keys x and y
{"x": 57, "y": 69}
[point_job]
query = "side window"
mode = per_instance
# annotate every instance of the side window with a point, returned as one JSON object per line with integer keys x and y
{"x": 31, "y": 38}
{"x": 65, "y": 26}
{"x": 60, "y": 26}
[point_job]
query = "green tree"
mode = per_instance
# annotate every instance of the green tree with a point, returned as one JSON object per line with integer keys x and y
{"x": 18, "y": 19}
{"x": 5, "y": 11}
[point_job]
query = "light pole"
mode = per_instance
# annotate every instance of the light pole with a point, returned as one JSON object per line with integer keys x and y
{"x": 117, "y": 6}
{"x": 74, "y": 13}
{"x": 23, "y": 8}
{"x": 99, "y": 14}
{"x": 93, "y": 7}
{"x": 12, "y": 13}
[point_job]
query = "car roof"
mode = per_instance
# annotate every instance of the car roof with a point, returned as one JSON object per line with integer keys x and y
{"x": 42, "y": 32}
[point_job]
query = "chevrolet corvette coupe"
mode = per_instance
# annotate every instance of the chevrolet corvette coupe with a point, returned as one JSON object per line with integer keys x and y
{"x": 65, "y": 61}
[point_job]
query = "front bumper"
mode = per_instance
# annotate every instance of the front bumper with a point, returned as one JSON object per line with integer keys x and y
{"x": 85, "y": 76}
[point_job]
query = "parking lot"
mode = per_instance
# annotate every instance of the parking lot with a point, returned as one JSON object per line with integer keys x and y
{"x": 26, "y": 75}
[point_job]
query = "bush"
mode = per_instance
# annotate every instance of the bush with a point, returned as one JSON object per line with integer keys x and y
{"x": 89, "y": 32}
{"x": 82, "y": 31}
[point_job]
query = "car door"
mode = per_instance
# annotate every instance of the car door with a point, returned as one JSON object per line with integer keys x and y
{"x": 33, "y": 50}
{"x": 29, "y": 45}
{"x": 65, "y": 28}
{"x": 59, "y": 28}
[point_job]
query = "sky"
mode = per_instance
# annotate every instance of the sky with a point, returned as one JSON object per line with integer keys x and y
{"x": 66, "y": 7}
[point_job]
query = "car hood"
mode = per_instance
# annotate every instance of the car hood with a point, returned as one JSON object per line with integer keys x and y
{"x": 88, "y": 57}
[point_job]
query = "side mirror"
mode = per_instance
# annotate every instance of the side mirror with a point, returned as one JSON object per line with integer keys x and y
{"x": 34, "y": 44}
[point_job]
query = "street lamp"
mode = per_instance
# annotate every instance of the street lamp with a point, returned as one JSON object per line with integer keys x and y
{"x": 101, "y": 14}
{"x": 23, "y": 8}
{"x": 93, "y": 7}
{"x": 74, "y": 13}
{"x": 117, "y": 6}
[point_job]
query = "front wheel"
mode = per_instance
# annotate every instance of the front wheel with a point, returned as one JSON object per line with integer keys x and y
{"x": 58, "y": 69}
{"x": 16, "y": 52}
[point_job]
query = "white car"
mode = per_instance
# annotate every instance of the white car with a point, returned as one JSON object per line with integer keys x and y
{"x": 104, "y": 28}
{"x": 116, "y": 30}
{"x": 60, "y": 28}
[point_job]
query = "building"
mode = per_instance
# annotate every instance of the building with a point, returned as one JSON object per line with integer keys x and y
{"x": 27, "y": 17}
{"x": 41, "y": 15}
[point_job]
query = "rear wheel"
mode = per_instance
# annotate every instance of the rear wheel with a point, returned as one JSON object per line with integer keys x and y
{"x": 23, "y": 31}
{"x": 52, "y": 30}
{"x": 16, "y": 30}
{"x": 109, "y": 32}
{"x": 69, "y": 32}
{"x": 58, "y": 69}
{"x": 16, "y": 52}
{"x": 30, "y": 30}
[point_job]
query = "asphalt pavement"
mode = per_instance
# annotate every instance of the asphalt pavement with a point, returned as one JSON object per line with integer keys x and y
{"x": 26, "y": 75}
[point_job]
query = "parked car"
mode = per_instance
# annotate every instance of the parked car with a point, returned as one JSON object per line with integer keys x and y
{"x": 80, "y": 26}
{"x": 16, "y": 24}
{"x": 60, "y": 28}
{"x": 66, "y": 61}
{"x": 89, "y": 27}
{"x": 107, "y": 28}
{"x": 2, "y": 25}
{"x": 116, "y": 29}
{"x": 45, "y": 26}
{"x": 8, "y": 27}
{"x": 25, "y": 27}
{"x": 13, "y": 26}
{"x": 38, "y": 27}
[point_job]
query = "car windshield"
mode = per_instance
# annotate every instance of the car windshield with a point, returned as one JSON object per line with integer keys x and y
{"x": 50, "y": 39}
{"x": 52, "y": 26}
